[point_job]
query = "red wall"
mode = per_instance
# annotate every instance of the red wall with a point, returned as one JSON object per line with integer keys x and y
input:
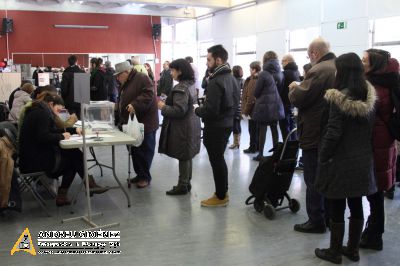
{"x": 34, "y": 32}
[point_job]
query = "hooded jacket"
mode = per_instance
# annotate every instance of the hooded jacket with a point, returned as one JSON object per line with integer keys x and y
{"x": 345, "y": 158}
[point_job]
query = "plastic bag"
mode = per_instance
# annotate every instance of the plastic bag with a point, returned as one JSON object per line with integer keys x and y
{"x": 135, "y": 130}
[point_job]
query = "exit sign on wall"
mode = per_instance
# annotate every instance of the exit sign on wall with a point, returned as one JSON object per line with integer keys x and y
{"x": 341, "y": 25}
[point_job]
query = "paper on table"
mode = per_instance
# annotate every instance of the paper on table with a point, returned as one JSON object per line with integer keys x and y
{"x": 89, "y": 137}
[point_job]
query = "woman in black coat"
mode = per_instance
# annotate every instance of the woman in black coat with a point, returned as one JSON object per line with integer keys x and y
{"x": 237, "y": 72}
{"x": 268, "y": 109}
{"x": 180, "y": 133}
{"x": 345, "y": 159}
{"x": 39, "y": 146}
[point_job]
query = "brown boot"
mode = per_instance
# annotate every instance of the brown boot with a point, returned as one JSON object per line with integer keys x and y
{"x": 236, "y": 142}
{"x": 61, "y": 198}
{"x": 94, "y": 188}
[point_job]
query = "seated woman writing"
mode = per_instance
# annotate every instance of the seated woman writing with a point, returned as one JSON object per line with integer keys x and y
{"x": 39, "y": 146}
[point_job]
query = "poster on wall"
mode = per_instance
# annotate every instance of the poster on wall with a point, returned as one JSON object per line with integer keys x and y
{"x": 44, "y": 79}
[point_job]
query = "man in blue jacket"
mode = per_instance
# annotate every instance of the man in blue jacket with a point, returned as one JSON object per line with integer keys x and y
{"x": 222, "y": 99}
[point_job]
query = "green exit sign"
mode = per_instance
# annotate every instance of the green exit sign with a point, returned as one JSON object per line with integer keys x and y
{"x": 341, "y": 25}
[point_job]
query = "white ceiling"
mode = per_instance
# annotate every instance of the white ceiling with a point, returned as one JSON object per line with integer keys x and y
{"x": 166, "y": 8}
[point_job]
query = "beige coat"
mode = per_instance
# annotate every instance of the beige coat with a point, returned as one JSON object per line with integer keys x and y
{"x": 6, "y": 170}
{"x": 248, "y": 99}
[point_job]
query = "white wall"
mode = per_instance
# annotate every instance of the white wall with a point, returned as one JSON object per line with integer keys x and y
{"x": 270, "y": 20}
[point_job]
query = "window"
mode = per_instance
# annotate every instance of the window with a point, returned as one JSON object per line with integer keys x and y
{"x": 245, "y": 53}
{"x": 385, "y": 37}
{"x": 178, "y": 39}
{"x": 298, "y": 44}
{"x": 202, "y": 62}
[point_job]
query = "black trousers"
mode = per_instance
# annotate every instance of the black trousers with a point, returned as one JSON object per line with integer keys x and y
{"x": 237, "y": 129}
{"x": 254, "y": 135}
{"x": 262, "y": 130}
{"x": 215, "y": 140}
{"x": 377, "y": 211}
{"x": 287, "y": 124}
{"x": 337, "y": 208}
{"x": 71, "y": 163}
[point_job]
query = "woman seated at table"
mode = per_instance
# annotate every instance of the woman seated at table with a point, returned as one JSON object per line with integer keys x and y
{"x": 39, "y": 146}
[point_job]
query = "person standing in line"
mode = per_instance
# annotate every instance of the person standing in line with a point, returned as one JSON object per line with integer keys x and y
{"x": 137, "y": 97}
{"x": 345, "y": 159}
{"x": 237, "y": 72}
{"x": 98, "y": 90}
{"x": 165, "y": 82}
{"x": 197, "y": 83}
{"x": 149, "y": 71}
{"x": 67, "y": 86}
{"x": 180, "y": 133}
{"x": 383, "y": 72}
{"x": 308, "y": 98}
{"x": 217, "y": 113}
{"x": 268, "y": 109}
{"x": 248, "y": 102}
{"x": 290, "y": 73}
{"x": 139, "y": 67}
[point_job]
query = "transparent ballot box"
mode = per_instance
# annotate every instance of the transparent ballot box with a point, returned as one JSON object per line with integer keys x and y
{"x": 99, "y": 116}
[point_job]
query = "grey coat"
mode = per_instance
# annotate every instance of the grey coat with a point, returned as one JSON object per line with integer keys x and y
{"x": 180, "y": 133}
{"x": 268, "y": 107}
{"x": 345, "y": 159}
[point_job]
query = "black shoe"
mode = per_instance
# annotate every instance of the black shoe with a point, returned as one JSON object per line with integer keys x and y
{"x": 177, "y": 190}
{"x": 308, "y": 227}
{"x": 133, "y": 180}
{"x": 258, "y": 158}
{"x": 189, "y": 187}
{"x": 389, "y": 194}
{"x": 370, "y": 240}
{"x": 329, "y": 255}
{"x": 250, "y": 150}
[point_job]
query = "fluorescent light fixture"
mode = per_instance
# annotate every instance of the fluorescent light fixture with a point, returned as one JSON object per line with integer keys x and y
{"x": 79, "y": 27}
{"x": 244, "y": 5}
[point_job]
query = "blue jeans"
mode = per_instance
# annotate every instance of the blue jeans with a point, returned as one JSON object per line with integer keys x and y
{"x": 142, "y": 156}
{"x": 314, "y": 201}
{"x": 287, "y": 124}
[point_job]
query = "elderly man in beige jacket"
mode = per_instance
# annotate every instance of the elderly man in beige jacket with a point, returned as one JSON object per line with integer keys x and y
{"x": 308, "y": 98}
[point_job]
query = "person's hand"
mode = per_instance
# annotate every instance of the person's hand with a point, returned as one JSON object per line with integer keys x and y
{"x": 66, "y": 135}
{"x": 130, "y": 108}
{"x": 79, "y": 131}
{"x": 293, "y": 85}
{"x": 73, "y": 117}
{"x": 161, "y": 104}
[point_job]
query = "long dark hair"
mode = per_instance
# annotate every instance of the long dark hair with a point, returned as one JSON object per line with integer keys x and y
{"x": 378, "y": 60}
{"x": 184, "y": 67}
{"x": 350, "y": 76}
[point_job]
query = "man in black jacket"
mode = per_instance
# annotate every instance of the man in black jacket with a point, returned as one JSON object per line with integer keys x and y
{"x": 165, "y": 83}
{"x": 221, "y": 101}
{"x": 67, "y": 86}
{"x": 290, "y": 73}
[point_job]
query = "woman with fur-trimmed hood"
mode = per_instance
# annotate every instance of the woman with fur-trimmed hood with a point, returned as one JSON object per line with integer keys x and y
{"x": 345, "y": 159}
